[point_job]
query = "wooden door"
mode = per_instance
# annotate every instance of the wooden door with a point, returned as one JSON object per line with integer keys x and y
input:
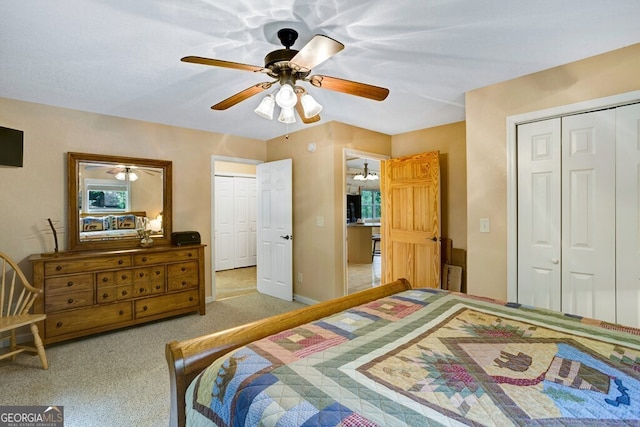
{"x": 410, "y": 189}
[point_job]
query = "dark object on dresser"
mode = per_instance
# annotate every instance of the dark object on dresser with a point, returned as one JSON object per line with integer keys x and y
{"x": 181, "y": 238}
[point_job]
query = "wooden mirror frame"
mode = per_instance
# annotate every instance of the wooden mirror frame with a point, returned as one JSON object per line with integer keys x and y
{"x": 73, "y": 220}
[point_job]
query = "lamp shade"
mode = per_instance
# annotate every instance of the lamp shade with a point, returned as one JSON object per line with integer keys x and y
{"x": 310, "y": 106}
{"x": 286, "y": 96}
{"x": 287, "y": 115}
{"x": 265, "y": 109}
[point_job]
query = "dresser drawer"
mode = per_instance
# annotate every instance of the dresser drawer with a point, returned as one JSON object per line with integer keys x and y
{"x": 59, "y": 267}
{"x": 66, "y": 301}
{"x": 182, "y": 276}
{"x": 166, "y": 303}
{"x": 165, "y": 257}
{"x": 106, "y": 294}
{"x": 66, "y": 284}
{"x": 87, "y": 318}
{"x": 123, "y": 277}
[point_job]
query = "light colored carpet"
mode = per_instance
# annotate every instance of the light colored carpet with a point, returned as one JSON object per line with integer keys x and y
{"x": 121, "y": 378}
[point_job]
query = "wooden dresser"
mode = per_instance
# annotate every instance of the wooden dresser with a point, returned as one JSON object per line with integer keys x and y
{"x": 90, "y": 292}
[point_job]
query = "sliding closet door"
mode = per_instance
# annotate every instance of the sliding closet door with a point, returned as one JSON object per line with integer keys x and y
{"x": 539, "y": 160}
{"x": 588, "y": 215}
{"x": 628, "y": 215}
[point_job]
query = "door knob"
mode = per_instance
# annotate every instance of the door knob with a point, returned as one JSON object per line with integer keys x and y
{"x": 555, "y": 260}
{"x": 287, "y": 237}
{"x": 434, "y": 239}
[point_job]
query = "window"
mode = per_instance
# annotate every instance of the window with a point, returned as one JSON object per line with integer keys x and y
{"x": 371, "y": 204}
{"x": 103, "y": 195}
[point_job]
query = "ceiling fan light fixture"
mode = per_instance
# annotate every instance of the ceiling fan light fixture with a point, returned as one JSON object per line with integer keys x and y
{"x": 266, "y": 107}
{"x": 287, "y": 115}
{"x": 286, "y": 96}
{"x": 310, "y": 106}
{"x": 126, "y": 175}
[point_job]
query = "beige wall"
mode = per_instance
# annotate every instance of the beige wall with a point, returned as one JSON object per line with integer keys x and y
{"x": 37, "y": 191}
{"x": 486, "y": 112}
{"x": 450, "y": 141}
{"x": 318, "y": 189}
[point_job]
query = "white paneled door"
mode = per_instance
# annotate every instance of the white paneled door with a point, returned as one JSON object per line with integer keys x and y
{"x": 578, "y": 214}
{"x": 628, "y": 215}
{"x": 275, "y": 225}
{"x": 235, "y": 234}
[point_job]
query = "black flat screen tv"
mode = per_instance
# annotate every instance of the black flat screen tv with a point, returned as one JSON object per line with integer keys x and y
{"x": 11, "y": 147}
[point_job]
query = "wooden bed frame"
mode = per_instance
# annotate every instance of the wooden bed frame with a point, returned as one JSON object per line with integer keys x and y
{"x": 188, "y": 358}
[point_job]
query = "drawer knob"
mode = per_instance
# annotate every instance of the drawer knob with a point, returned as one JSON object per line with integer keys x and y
{"x": 124, "y": 277}
{"x": 190, "y": 298}
{"x": 158, "y": 272}
{"x": 141, "y": 274}
{"x": 70, "y": 300}
{"x": 189, "y": 255}
{"x": 141, "y": 290}
{"x": 70, "y": 283}
{"x": 121, "y": 312}
{"x": 158, "y": 287}
{"x": 144, "y": 308}
{"x": 184, "y": 283}
{"x": 144, "y": 259}
{"x": 105, "y": 279}
{"x": 105, "y": 295}
{"x": 120, "y": 262}
{"x": 183, "y": 269}
{"x": 58, "y": 268}
{"x": 59, "y": 324}
{"x": 124, "y": 293}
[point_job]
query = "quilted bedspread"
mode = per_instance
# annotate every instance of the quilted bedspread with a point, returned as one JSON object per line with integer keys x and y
{"x": 428, "y": 357}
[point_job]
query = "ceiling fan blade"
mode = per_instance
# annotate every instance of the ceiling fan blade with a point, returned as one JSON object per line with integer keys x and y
{"x": 300, "y": 110}
{"x": 221, "y": 63}
{"x": 352, "y": 88}
{"x": 318, "y": 50}
{"x": 241, "y": 96}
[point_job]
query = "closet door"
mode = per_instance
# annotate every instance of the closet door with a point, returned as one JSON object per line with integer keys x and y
{"x": 628, "y": 215}
{"x": 539, "y": 160}
{"x": 588, "y": 215}
{"x": 245, "y": 221}
{"x": 224, "y": 234}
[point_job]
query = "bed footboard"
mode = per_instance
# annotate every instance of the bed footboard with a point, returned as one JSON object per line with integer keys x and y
{"x": 188, "y": 358}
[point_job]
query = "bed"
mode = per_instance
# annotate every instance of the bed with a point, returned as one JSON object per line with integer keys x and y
{"x": 394, "y": 355}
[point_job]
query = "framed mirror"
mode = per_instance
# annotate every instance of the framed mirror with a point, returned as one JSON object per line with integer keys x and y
{"x": 114, "y": 201}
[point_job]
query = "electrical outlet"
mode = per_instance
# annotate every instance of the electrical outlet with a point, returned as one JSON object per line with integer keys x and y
{"x": 299, "y": 277}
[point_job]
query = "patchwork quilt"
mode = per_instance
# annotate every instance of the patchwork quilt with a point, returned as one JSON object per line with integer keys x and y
{"x": 428, "y": 357}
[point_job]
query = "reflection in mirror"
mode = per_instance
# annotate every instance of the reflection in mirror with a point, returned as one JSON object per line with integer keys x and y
{"x": 119, "y": 201}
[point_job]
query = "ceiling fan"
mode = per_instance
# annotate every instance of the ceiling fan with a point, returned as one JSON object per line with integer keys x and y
{"x": 287, "y": 66}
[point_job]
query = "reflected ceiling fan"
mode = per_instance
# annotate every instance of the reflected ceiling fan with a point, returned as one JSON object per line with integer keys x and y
{"x": 128, "y": 173}
{"x": 288, "y": 66}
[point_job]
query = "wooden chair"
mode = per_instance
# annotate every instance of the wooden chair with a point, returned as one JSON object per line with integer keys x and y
{"x": 16, "y": 298}
{"x": 375, "y": 238}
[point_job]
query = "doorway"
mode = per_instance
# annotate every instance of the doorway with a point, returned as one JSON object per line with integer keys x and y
{"x": 232, "y": 275}
{"x": 361, "y": 199}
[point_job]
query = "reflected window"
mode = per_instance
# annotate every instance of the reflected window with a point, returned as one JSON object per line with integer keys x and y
{"x": 105, "y": 195}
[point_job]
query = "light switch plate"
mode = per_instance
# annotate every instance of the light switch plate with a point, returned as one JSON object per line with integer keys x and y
{"x": 319, "y": 221}
{"x": 485, "y": 226}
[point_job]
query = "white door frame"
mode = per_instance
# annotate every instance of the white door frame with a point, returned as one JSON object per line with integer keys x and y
{"x": 512, "y": 162}
{"x": 347, "y": 153}
{"x": 214, "y": 159}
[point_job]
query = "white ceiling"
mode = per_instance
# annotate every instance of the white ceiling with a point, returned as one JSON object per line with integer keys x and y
{"x": 122, "y": 57}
